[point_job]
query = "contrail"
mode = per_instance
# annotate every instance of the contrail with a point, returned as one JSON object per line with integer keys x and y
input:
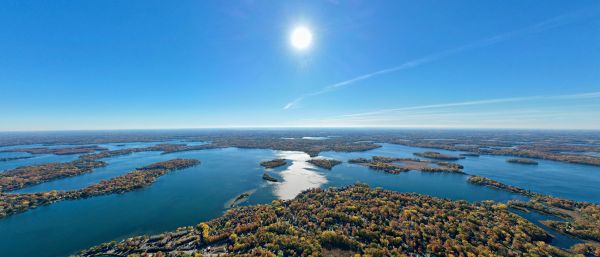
{"x": 536, "y": 28}
{"x": 437, "y": 112}
{"x": 480, "y": 102}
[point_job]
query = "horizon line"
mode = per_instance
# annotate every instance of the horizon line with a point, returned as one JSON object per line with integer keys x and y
{"x": 304, "y": 127}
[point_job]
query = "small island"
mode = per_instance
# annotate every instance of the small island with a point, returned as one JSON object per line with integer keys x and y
{"x": 273, "y": 163}
{"x": 359, "y": 160}
{"x": 268, "y": 177}
{"x": 324, "y": 163}
{"x": 439, "y": 156}
{"x": 242, "y": 196}
{"x": 522, "y": 161}
{"x": 238, "y": 199}
{"x": 394, "y": 165}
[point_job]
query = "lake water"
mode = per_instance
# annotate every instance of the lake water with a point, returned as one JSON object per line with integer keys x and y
{"x": 189, "y": 196}
{"x": 47, "y": 158}
{"x": 565, "y": 180}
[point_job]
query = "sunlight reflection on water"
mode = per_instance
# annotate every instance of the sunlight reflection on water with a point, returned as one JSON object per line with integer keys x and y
{"x": 298, "y": 176}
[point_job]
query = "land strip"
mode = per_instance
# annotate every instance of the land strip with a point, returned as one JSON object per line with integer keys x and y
{"x": 142, "y": 177}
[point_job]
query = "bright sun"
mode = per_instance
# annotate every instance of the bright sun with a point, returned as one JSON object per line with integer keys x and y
{"x": 301, "y": 38}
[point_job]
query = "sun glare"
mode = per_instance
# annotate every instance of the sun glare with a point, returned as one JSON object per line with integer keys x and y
{"x": 301, "y": 38}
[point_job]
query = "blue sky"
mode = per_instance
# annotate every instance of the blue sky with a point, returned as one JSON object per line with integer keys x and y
{"x": 188, "y": 64}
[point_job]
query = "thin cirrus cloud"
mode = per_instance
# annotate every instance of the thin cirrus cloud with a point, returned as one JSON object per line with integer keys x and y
{"x": 547, "y": 111}
{"x": 588, "y": 95}
{"x": 535, "y": 28}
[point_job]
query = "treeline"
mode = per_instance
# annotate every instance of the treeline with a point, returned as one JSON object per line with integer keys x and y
{"x": 14, "y": 203}
{"x": 570, "y": 158}
{"x": 507, "y": 149}
{"x": 221, "y": 140}
{"x": 35, "y": 174}
{"x": 556, "y": 146}
{"x": 58, "y": 151}
{"x": 351, "y": 220}
{"x": 311, "y": 147}
{"x": 164, "y": 148}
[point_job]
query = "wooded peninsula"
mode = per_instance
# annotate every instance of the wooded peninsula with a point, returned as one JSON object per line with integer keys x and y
{"x": 14, "y": 203}
{"x": 580, "y": 219}
{"x": 348, "y": 221}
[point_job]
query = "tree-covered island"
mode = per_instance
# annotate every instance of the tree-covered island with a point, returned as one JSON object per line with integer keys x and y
{"x": 268, "y": 177}
{"x": 324, "y": 163}
{"x": 439, "y": 156}
{"x": 522, "y": 161}
{"x": 273, "y": 163}
{"x": 395, "y": 165}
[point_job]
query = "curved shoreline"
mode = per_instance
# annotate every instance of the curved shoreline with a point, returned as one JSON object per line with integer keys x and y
{"x": 141, "y": 177}
{"x": 319, "y": 217}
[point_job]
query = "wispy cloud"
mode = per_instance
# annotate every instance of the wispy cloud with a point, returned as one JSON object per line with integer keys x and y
{"x": 535, "y": 28}
{"x": 432, "y": 106}
{"x": 479, "y": 102}
{"x": 539, "y": 111}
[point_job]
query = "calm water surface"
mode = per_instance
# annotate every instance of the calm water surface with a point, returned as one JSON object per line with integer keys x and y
{"x": 565, "y": 180}
{"x": 48, "y": 158}
{"x": 200, "y": 193}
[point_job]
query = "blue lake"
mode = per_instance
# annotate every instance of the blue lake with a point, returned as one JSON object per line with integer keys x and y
{"x": 565, "y": 180}
{"x": 35, "y": 159}
{"x": 189, "y": 196}
{"x": 48, "y": 158}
